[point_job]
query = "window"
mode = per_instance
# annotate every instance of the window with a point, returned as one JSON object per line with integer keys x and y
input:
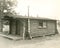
{"x": 42, "y": 24}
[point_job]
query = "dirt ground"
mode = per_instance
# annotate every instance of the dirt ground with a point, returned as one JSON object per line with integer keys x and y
{"x": 40, "y": 42}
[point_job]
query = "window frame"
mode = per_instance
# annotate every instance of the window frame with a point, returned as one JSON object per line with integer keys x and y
{"x": 44, "y": 24}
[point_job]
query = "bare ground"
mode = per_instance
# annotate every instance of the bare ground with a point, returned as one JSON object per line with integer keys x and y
{"x": 41, "y": 42}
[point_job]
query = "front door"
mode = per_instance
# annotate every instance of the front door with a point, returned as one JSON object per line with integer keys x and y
{"x": 13, "y": 27}
{"x": 19, "y": 28}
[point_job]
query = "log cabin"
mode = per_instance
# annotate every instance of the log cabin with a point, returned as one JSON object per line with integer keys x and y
{"x": 27, "y": 27}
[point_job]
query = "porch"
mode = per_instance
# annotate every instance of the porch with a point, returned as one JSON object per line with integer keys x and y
{"x": 14, "y": 28}
{"x": 11, "y": 37}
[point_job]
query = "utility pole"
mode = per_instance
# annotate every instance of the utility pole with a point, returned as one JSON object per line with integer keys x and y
{"x": 28, "y": 11}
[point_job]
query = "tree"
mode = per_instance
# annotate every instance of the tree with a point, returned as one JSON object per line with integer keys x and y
{"x": 7, "y": 6}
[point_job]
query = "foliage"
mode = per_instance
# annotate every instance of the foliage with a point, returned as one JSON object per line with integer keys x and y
{"x": 7, "y": 6}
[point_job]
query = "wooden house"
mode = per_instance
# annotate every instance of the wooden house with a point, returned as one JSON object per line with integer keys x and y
{"x": 27, "y": 26}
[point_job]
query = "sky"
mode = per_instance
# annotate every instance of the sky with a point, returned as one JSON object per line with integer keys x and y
{"x": 40, "y": 8}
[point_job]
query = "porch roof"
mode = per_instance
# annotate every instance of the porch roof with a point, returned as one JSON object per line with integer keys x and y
{"x": 30, "y": 17}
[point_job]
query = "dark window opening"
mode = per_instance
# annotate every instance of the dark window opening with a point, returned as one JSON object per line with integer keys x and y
{"x": 42, "y": 24}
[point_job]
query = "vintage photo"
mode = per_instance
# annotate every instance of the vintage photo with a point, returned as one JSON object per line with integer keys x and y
{"x": 29, "y": 23}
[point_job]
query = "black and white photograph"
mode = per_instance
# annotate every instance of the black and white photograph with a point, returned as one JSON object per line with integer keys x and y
{"x": 29, "y": 23}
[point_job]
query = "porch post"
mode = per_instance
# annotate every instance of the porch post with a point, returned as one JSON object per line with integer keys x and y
{"x": 23, "y": 30}
{"x": 29, "y": 28}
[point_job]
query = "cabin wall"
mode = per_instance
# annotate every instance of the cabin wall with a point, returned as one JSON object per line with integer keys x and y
{"x": 35, "y": 31}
